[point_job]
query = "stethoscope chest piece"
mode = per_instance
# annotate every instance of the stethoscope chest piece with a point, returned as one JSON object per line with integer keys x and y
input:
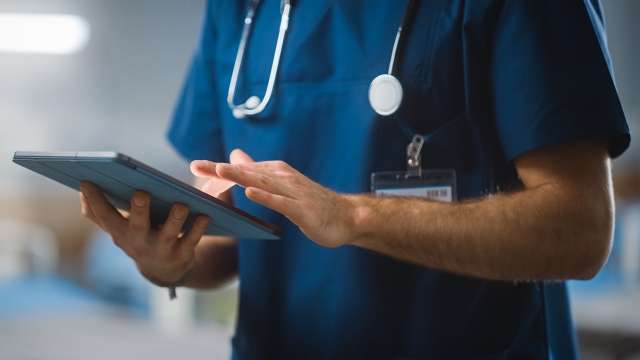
{"x": 385, "y": 94}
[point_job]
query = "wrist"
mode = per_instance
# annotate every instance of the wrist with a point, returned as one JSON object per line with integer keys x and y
{"x": 360, "y": 219}
{"x": 179, "y": 280}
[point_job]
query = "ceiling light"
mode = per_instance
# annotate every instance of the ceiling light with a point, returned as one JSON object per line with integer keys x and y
{"x": 42, "y": 33}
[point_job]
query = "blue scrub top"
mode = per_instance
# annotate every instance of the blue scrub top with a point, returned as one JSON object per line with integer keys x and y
{"x": 486, "y": 81}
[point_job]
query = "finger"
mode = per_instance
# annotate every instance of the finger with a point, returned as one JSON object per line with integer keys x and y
{"x": 110, "y": 219}
{"x": 282, "y": 204}
{"x": 203, "y": 168}
{"x": 85, "y": 209}
{"x": 173, "y": 225}
{"x": 217, "y": 186}
{"x": 238, "y": 156}
{"x": 249, "y": 178}
{"x": 139, "y": 212}
{"x": 272, "y": 166}
{"x": 192, "y": 238}
{"x": 206, "y": 168}
{"x": 274, "y": 169}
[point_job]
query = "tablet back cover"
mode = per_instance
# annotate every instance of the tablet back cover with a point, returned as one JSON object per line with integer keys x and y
{"x": 119, "y": 176}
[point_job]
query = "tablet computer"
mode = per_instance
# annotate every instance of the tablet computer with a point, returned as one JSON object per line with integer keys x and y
{"x": 119, "y": 176}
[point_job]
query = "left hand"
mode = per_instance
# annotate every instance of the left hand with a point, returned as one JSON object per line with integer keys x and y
{"x": 321, "y": 214}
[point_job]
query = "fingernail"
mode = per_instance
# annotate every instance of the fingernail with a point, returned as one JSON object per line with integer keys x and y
{"x": 179, "y": 213}
{"x": 139, "y": 201}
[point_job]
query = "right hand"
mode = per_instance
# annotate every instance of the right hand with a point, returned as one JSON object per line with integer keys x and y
{"x": 162, "y": 255}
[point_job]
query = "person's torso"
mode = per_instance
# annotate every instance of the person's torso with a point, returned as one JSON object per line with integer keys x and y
{"x": 301, "y": 300}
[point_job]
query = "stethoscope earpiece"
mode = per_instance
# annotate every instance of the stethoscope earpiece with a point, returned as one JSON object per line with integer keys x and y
{"x": 240, "y": 111}
{"x": 237, "y": 113}
{"x": 254, "y": 104}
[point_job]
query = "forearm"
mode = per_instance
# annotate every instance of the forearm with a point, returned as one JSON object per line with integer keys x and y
{"x": 534, "y": 234}
{"x": 558, "y": 227}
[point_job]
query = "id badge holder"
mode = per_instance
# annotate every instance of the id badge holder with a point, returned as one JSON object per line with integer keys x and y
{"x": 436, "y": 185}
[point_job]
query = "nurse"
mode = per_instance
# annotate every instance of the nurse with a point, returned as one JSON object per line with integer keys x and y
{"x": 500, "y": 143}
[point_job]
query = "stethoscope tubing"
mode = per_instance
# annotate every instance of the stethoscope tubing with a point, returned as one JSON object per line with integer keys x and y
{"x": 242, "y": 110}
{"x": 384, "y": 87}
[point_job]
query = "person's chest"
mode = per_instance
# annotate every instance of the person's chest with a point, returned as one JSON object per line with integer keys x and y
{"x": 332, "y": 46}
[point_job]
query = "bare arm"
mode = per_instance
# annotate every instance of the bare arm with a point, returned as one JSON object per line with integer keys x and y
{"x": 558, "y": 227}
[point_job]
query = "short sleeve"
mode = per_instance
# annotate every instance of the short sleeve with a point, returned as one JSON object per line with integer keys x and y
{"x": 551, "y": 79}
{"x": 195, "y": 128}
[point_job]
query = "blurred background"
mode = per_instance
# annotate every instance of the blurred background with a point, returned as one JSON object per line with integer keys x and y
{"x": 112, "y": 72}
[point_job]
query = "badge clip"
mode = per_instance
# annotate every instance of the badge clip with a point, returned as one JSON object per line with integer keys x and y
{"x": 431, "y": 184}
{"x": 414, "y": 156}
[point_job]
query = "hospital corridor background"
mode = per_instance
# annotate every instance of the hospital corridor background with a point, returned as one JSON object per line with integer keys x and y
{"x": 107, "y": 77}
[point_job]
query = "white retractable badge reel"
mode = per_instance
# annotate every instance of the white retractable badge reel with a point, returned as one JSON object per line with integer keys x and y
{"x": 385, "y": 94}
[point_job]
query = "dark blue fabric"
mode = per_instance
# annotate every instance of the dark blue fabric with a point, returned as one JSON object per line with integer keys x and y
{"x": 486, "y": 80}
{"x": 562, "y": 338}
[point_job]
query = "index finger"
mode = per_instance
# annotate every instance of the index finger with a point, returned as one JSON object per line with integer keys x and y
{"x": 207, "y": 168}
{"x": 255, "y": 179}
{"x": 203, "y": 168}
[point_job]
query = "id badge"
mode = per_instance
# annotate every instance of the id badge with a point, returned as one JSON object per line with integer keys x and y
{"x": 436, "y": 185}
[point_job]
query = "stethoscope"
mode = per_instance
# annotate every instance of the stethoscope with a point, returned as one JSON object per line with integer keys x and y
{"x": 385, "y": 90}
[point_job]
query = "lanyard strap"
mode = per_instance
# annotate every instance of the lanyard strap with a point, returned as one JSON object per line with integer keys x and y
{"x": 405, "y": 18}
